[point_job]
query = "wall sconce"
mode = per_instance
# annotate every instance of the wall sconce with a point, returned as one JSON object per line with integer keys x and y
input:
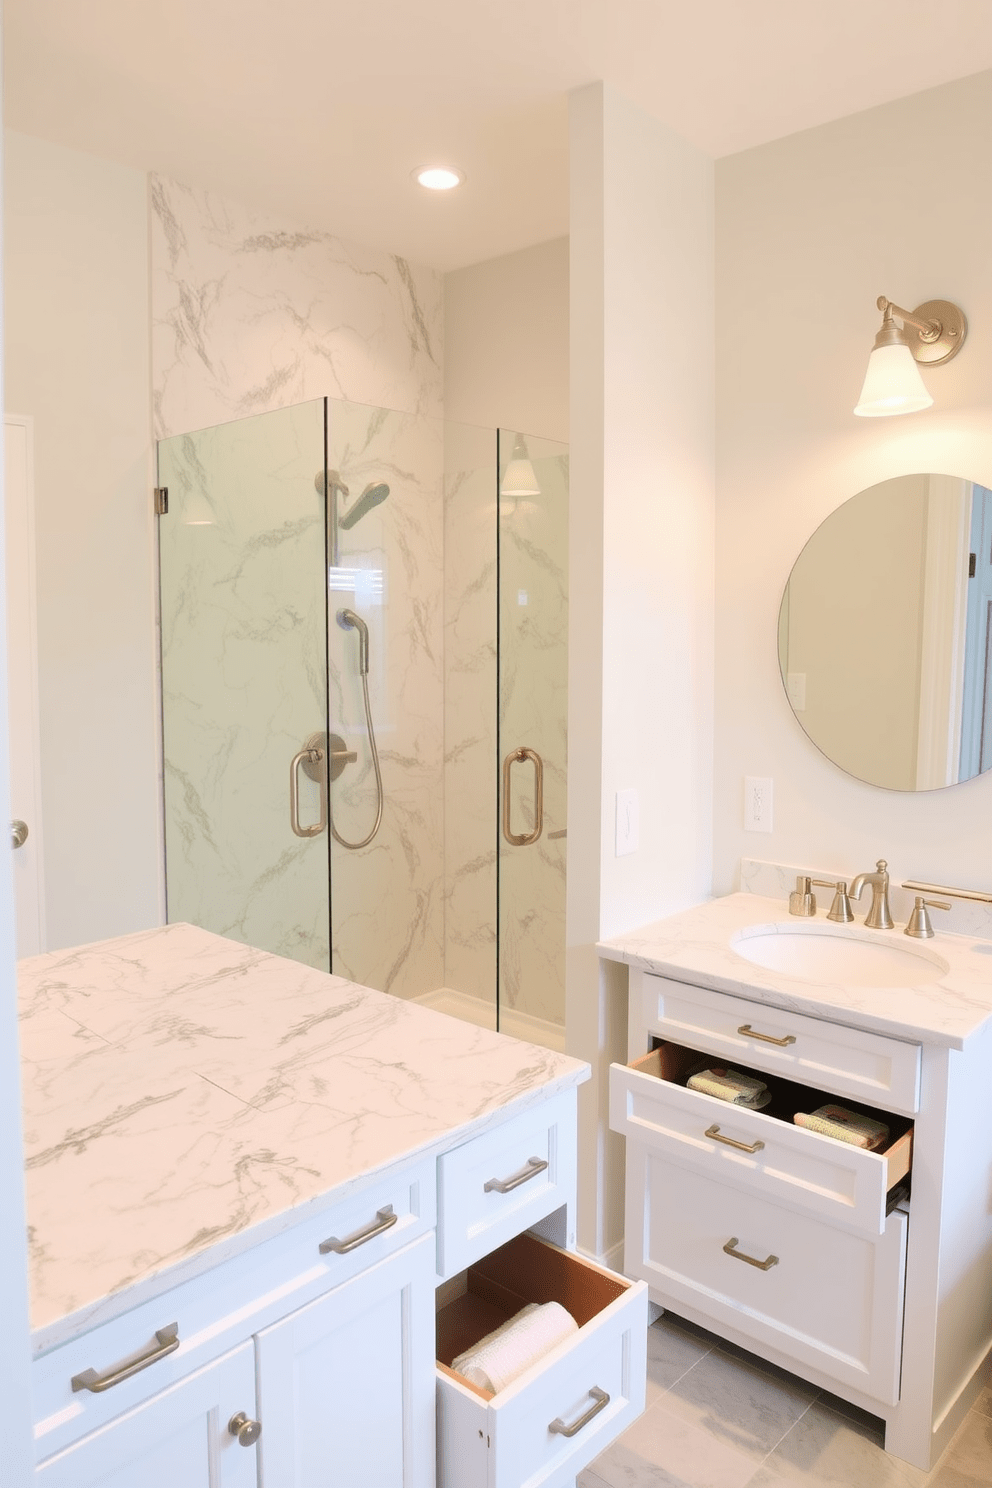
{"x": 933, "y": 333}
{"x": 518, "y": 477}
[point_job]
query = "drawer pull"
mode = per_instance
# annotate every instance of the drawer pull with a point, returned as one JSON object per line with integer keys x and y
{"x": 715, "y": 1133}
{"x": 245, "y": 1429}
{"x": 534, "y": 1166}
{"x": 739, "y": 1255}
{"x": 602, "y": 1400}
{"x": 766, "y": 1038}
{"x": 166, "y": 1342}
{"x": 384, "y": 1220}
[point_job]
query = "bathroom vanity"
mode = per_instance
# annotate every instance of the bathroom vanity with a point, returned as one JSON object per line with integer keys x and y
{"x": 267, "y": 1208}
{"x": 868, "y": 1273}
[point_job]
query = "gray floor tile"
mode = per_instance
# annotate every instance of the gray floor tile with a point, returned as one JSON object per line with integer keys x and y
{"x": 873, "y": 1425}
{"x": 983, "y": 1405}
{"x": 664, "y": 1451}
{"x": 672, "y": 1349}
{"x": 589, "y": 1479}
{"x": 824, "y": 1448}
{"x": 967, "y": 1463}
{"x": 738, "y": 1403}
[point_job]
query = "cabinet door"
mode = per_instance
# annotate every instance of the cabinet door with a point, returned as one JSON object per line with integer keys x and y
{"x": 178, "y": 1437}
{"x": 346, "y": 1384}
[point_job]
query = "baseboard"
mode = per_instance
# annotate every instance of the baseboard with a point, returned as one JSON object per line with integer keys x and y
{"x": 512, "y": 1021}
{"x": 611, "y": 1259}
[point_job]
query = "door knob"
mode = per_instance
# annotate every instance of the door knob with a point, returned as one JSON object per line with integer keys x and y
{"x": 18, "y": 833}
{"x": 245, "y": 1429}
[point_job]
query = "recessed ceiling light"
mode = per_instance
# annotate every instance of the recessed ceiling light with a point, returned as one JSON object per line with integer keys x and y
{"x": 438, "y": 177}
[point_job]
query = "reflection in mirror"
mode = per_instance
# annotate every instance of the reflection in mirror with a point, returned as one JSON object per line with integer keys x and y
{"x": 884, "y": 633}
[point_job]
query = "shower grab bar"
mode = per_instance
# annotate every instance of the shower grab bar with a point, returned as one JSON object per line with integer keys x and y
{"x": 313, "y": 757}
{"x": 519, "y": 757}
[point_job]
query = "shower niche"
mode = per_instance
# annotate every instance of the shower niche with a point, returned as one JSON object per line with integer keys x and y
{"x": 364, "y": 694}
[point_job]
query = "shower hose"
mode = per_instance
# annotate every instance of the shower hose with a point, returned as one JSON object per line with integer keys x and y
{"x": 354, "y": 846}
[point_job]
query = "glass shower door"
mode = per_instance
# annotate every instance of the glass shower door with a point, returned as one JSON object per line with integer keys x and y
{"x": 244, "y": 680}
{"x": 533, "y": 724}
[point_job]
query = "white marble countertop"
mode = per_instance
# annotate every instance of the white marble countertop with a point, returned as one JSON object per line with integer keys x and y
{"x": 186, "y": 1096}
{"x": 695, "y": 946}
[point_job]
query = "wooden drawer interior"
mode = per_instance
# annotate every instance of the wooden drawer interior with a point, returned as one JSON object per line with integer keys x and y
{"x": 674, "y": 1063}
{"x": 524, "y": 1270}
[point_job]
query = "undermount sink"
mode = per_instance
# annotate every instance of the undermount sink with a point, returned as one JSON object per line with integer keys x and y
{"x": 816, "y": 953}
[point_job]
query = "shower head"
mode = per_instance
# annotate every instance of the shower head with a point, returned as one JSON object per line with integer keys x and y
{"x": 348, "y": 620}
{"x": 369, "y": 498}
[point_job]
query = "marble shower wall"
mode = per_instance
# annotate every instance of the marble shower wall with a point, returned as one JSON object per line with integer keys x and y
{"x": 252, "y": 314}
{"x": 387, "y": 904}
{"x": 470, "y": 711}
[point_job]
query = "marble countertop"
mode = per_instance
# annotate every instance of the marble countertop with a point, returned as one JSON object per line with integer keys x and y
{"x": 695, "y": 946}
{"x": 186, "y": 1096}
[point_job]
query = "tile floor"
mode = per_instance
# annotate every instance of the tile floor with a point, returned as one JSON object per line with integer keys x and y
{"x": 717, "y": 1417}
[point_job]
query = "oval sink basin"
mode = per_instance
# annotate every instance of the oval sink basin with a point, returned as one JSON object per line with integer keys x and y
{"x": 814, "y": 954}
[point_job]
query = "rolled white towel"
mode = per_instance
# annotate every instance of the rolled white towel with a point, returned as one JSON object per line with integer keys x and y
{"x": 497, "y": 1360}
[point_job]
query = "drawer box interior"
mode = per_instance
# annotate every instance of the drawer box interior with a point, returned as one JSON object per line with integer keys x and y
{"x": 674, "y": 1063}
{"x": 524, "y": 1270}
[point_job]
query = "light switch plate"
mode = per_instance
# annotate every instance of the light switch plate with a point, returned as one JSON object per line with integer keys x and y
{"x": 628, "y": 822}
{"x": 757, "y": 803}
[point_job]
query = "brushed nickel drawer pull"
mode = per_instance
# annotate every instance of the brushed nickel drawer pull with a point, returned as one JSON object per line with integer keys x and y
{"x": 166, "y": 1342}
{"x": 739, "y": 1255}
{"x": 714, "y": 1132}
{"x": 558, "y": 1427}
{"x": 534, "y": 1166}
{"x": 384, "y": 1220}
{"x": 766, "y": 1038}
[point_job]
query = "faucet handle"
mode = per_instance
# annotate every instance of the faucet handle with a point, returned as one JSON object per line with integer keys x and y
{"x": 919, "y": 925}
{"x": 803, "y": 901}
{"x": 840, "y": 911}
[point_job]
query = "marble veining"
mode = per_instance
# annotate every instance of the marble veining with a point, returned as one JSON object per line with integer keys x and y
{"x": 186, "y": 1096}
{"x": 695, "y": 947}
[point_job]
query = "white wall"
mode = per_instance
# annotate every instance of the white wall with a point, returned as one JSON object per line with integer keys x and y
{"x": 77, "y": 357}
{"x": 810, "y": 230}
{"x": 506, "y": 342}
{"x": 641, "y": 555}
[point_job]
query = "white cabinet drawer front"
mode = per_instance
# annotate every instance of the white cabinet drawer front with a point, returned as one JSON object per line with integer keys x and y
{"x": 830, "y": 1299}
{"x": 227, "y": 1304}
{"x": 508, "y": 1441}
{"x": 345, "y": 1384}
{"x": 801, "y": 1169}
{"x": 504, "y": 1181}
{"x": 177, "y": 1439}
{"x": 846, "y": 1061}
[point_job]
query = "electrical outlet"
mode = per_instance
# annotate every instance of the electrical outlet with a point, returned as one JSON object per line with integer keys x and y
{"x": 628, "y": 822}
{"x": 757, "y": 803}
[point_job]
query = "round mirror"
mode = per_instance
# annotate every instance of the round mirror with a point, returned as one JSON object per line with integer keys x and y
{"x": 883, "y": 634}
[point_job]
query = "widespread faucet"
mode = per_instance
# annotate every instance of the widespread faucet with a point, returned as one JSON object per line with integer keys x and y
{"x": 879, "y": 916}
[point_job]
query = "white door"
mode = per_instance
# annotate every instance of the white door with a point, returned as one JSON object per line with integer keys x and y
{"x": 22, "y": 663}
{"x": 177, "y": 1439}
{"x": 346, "y": 1384}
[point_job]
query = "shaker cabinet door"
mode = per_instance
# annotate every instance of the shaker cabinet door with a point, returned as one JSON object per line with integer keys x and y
{"x": 179, "y": 1436}
{"x": 346, "y": 1384}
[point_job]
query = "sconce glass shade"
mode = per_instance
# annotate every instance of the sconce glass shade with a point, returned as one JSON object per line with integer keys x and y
{"x": 518, "y": 477}
{"x": 892, "y": 384}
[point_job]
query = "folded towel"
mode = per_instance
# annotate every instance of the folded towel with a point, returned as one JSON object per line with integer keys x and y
{"x": 731, "y": 1085}
{"x": 497, "y": 1360}
{"x": 844, "y": 1126}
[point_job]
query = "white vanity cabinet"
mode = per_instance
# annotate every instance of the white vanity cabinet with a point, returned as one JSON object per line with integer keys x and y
{"x": 868, "y": 1273}
{"x": 177, "y": 1436}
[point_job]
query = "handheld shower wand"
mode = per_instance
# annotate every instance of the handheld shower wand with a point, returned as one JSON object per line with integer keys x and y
{"x": 348, "y": 620}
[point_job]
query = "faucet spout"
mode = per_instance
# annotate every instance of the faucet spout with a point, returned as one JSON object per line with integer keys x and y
{"x": 879, "y": 916}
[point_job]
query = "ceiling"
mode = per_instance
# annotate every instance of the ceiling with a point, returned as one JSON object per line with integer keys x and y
{"x": 320, "y": 110}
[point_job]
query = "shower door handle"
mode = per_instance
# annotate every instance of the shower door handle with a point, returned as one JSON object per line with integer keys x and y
{"x": 519, "y": 757}
{"x": 313, "y": 757}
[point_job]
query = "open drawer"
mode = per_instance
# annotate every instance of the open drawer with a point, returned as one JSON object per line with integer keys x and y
{"x": 551, "y": 1421}
{"x": 760, "y": 1151}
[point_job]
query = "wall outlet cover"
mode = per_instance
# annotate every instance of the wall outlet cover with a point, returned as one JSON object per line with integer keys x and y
{"x": 757, "y": 803}
{"x": 628, "y": 822}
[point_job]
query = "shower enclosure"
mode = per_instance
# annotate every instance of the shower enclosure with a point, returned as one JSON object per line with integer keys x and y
{"x": 364, "y": 619}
